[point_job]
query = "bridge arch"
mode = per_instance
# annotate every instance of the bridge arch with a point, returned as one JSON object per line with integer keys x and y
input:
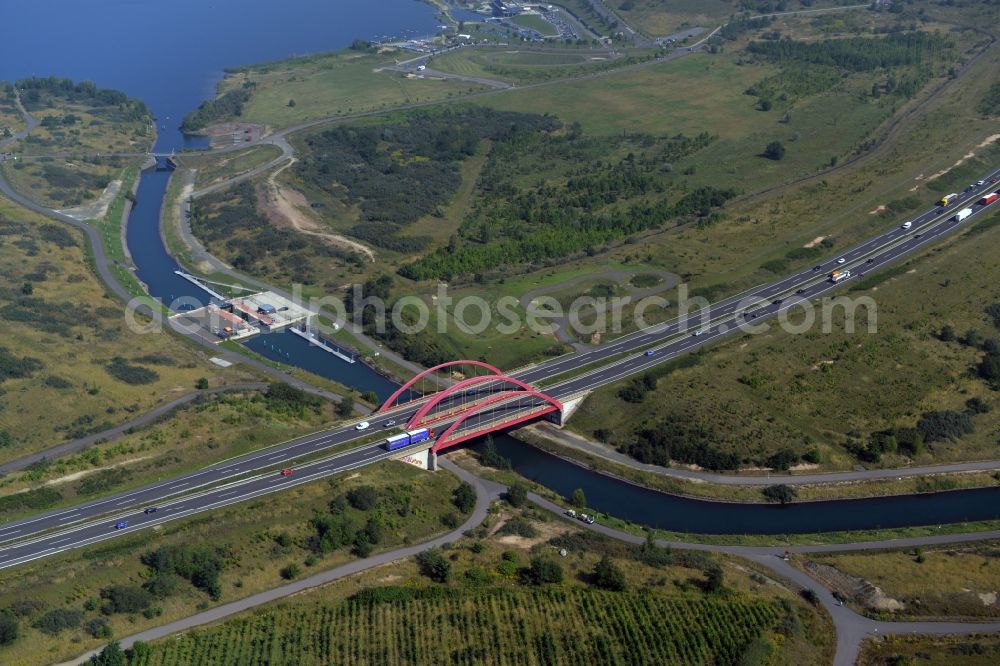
{"x": 402, "y": 390}
{"x": 447, "y": 438}
{"x": 457, "y": 389}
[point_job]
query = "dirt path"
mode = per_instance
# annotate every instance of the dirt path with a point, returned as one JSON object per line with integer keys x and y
{"x": 290, "y": 206}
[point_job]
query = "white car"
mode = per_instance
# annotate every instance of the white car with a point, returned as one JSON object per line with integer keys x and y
{"x": 980, "y": 183}
{"x": 907, "y": 225}
{"x": 841, "y": 260}
{"x": 364, "y": 425}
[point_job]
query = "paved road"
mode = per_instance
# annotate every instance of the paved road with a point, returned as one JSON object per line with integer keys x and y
{"x": 578, "y": 442}
{"x": 44, "y": 535}
{"x": 486, "y": 492}
{"x": 852, "y": 628}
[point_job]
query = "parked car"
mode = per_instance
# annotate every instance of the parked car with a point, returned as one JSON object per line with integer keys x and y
{"x": 590, "y": 520}
{"x": 571, "y": 513}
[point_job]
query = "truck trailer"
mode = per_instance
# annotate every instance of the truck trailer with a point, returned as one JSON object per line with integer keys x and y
{"x": 839, "y": 276}
{"x": 989, "y": 198}
{"x": 962, "y": 214}
{"x": 947, "y": 199}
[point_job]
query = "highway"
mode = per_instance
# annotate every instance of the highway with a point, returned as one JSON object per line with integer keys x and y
{"x": 257, "y": 474}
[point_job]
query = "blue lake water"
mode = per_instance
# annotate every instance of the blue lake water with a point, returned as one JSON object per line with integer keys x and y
{"x": 171, "y": 55}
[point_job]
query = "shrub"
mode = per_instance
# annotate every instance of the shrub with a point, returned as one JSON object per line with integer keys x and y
{"x": 607, "y": 576}
{"x": 780, "y": 493}
{"x": 125, "y": 599}
{"x": 97, "y": 627}
{"x": 291, "y": 571}
{"x": 516, "y": 495}
{"x": 774, "y": 151}
{"x": 518, "y": 526}
{"x": 58, "y": 619}
{"x": 944, "y": 425}
{"x": 542, "y": 570}
{"x": 464, "y": 497}
{"x": 122, "y": 370}
{"x": 578, "y": 499}
{"x": 433, "y": 564}
{"x": 10, "y": 629}
{"x": 363, "y": 498}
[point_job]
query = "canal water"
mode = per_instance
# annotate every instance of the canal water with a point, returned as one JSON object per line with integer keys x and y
{"x": 681, "y": 514}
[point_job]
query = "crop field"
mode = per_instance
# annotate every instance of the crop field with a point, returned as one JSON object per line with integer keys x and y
{"x": 340, "y": 83}
{"x": 501, "y": 627}
{"x": 252, "y": 542}
{"x": 61, "y": 379}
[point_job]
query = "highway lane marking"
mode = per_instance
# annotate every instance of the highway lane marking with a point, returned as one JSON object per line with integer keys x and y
{"x": 75, "y": 515}
{"x": 62, "y": 541}
{"x": 179, "y": 485}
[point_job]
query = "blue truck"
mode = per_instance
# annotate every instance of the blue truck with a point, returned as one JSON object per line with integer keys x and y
{"x": 406, "y": 439}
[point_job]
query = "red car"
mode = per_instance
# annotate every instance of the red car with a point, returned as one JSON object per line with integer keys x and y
{"x": 286, "y": 472}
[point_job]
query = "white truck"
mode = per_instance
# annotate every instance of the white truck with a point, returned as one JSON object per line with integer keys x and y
{"x": 839, "y": 276}
{"x": 962, "y": 214}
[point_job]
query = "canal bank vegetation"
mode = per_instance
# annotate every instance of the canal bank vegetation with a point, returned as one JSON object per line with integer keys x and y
{"x": 544, "y": 439}
{"x": 951, "y": 581}
{"x": 62, "y": 332}
{"x": 486, "y": 462}
{"x": 158, "y": 575}
{"x": 213, "y": 169}
{"x": 523, "y": 587}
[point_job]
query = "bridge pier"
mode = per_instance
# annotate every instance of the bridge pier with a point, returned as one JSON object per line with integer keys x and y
{"x": 569, "y": 406}
{"x": 432, "y": 461}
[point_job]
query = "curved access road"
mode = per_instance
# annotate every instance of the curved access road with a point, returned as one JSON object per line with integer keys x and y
{"x": 591, "y": 447}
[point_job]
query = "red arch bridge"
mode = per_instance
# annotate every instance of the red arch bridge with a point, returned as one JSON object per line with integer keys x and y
{"x": 475, "y": 403}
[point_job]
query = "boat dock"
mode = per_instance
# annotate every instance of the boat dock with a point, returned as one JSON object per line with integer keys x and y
{"x": 314, "y": 339}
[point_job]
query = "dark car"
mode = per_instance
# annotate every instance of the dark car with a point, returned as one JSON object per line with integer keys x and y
{"x": 817, "y": 268}
{"x": 800, "y": 291}
{"x": 149, "y": 509}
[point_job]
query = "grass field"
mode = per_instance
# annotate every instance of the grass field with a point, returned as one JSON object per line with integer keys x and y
{"x": 337, "y": 83}
{"x": 974, "y": 650}
{"x": 55, "y": 311}
{"x": 246, "y": 534}
{"x": 536, "y": 22}
{"x": 939, "y": 581}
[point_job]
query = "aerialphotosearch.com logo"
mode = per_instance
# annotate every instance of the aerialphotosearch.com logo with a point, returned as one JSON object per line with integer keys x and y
{"x": 585, "y": 317}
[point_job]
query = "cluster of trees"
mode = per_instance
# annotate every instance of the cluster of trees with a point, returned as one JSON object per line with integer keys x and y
{"x": 685, "y": 440}
{"x": 514, "y": 224}
{"x": 497, "y": 238}
{"x": 230, "y": 221}
{"x": 84, "y": 92}
{"x": 989, "y": 105}
{"x": 858, "y": 54}
{"x": 198, "y": 564}
{"x": 337, "y": 529}
{"x": 224, "y": 106}
{"x": 283, "y": 398}
{"x": 396, "y": 173}
{"x": 932, "y": 427}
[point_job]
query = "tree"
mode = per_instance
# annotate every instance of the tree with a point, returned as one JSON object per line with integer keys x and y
{"x": 291, "y": 571}
{"x": 201, "y": 383}
{"x": 10, "y": 629}
{"x": 370, "y": 397}
{"x": 543, "y": 570}
{"x": 345, "y": 408}
{"x": 947, "y": 333}
{"x": 363, "y": 498}
{"x": 125, "y": 599}
{"x": 774, "y": 151}
{"x": 713, "y": 578}
{"x": 578, "y": 499}
{"x": 111, "y": 655}
{"x": 780, "y": 493}
{"x": 434, "y": 565}
{"x": 516, "y": 495}
{"x": 465, "y": 497}
{"x": 607, "y": 576}
{"x": 291, "y": 104}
